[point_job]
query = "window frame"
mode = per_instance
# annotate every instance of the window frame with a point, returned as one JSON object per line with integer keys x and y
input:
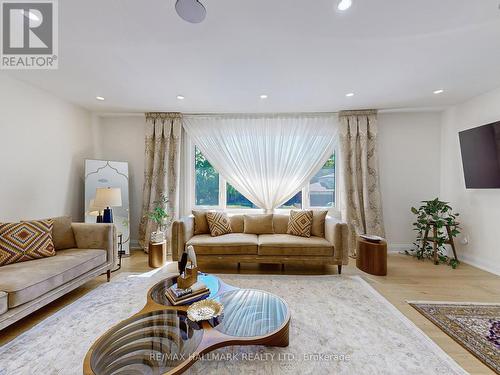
{"x": 191, "y": 190}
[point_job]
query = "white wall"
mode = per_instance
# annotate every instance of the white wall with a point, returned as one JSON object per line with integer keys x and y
{"x": 409, "y": 152}
{"x": 479, "y": 209}
{"x": 43, "y": 143}
{"x": 121, "y": 138}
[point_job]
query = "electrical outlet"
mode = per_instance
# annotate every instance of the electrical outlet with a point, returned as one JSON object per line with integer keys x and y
{"x": 464, "y": 240}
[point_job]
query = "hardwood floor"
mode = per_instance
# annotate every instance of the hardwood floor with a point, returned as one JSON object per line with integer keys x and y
{"x": 407, "y": 279}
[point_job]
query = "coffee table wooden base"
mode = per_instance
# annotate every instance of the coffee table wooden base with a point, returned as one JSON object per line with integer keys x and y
{"x": 160, "y": 337}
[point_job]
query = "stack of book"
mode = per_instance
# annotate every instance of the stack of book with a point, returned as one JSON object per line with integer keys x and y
{"x": 196, "y": 292}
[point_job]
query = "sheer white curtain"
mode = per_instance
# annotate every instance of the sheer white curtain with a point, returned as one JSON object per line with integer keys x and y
{"x": 267, "y": 158}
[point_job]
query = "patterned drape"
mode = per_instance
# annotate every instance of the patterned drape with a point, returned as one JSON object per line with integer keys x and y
{"x": 161, "y": 168}
{"x": 361, "y": 190}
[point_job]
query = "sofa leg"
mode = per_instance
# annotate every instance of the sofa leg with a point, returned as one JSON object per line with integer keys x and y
{"x": 282, "y": 266}
{"x": 239, "y": 265}
{"x": 339, "y": 268}
{"x": 108, "y": 275}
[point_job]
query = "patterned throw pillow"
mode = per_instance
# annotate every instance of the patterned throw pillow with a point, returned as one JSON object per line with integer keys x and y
{"x": 27, "y": 240}
{"x": 218, "y": 223}
{"x": 300, "y": 223}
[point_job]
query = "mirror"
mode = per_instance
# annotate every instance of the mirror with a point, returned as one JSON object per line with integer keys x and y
{"x": 111, "y": 175}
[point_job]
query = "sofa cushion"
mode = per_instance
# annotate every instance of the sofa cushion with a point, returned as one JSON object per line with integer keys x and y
{"x": 28, "y": 240}
{"x": 62, "y": 233}
{"x": 200, "y": 222}
{"x": 259, "y": 224}
{"x": 300, "y": 223}
{"x": 286, "y": 244}
{"x": 318, "y": 224}
{"x": 280, "y": 223}
{"x": 233, "y": 243}
{"x": 26, "y": 281}
{"x": 237, "y": 223}
{"x": 4, "y": 302}
{"x": 219, "y": 223}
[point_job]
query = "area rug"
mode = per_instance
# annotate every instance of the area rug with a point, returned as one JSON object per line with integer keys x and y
{"x": 474, "y": 326}
{"x": 339, "y": 325}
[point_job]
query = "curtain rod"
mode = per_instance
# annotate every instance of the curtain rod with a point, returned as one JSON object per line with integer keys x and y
{"x": 262, "y": 114}
{"x": 384, "y": 110}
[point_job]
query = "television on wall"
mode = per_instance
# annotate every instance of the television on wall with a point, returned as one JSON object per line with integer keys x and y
{"x": 481, "y": 156}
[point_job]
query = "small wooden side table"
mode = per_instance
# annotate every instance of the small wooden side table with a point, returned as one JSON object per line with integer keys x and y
{"x": 157, "y": 255}
{"x": 372, "y": 257}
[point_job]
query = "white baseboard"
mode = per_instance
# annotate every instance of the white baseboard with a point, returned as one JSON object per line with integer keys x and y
{"x": 480, "y": 263}
{"x": 398, "y": 247}
{"x": 134, "y": 244}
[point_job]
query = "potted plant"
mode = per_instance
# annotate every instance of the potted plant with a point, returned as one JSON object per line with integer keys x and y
{"x": 159, "y": 216}
{"x": 439, "y": 214}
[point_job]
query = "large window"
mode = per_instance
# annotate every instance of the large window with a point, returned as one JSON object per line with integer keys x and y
{"x": 211, "y": 190}
{"x": 294, "y": 202}
{"x": 234, "y": 199}
{"x": 322, "y": 186}
{"x": 206, "y": 181}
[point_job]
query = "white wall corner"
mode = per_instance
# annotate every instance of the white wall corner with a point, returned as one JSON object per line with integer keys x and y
{"x": 134, "y": 244}
{"x": 398, "y": 247}
{"x": 96, "y": 135}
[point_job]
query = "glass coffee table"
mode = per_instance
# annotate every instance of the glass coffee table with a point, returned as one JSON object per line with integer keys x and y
{"x": 160, "y": 339}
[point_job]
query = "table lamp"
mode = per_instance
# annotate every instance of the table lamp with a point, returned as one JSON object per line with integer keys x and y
{"x": 108, "y": 197}
{"x": 95, "y": 210}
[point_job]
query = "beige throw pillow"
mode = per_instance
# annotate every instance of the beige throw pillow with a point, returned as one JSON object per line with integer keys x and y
{"x": 300, "y": 223}
{"x": 219, "y": 223}
{"x": 200, "y": 222}
{"x": 318, "y": 224}
{"x": 259, "y": 224}
{"x": 62, "y": 233}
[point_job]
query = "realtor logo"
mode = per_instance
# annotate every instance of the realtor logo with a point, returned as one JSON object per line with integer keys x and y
{"x": 29, "y": 34}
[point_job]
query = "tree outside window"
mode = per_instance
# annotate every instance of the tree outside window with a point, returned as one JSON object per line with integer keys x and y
{"x": 320, "y": 190}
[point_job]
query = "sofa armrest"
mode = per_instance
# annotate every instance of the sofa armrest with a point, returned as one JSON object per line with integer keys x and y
{"x": 4, "y": 302}
{"x": 182, "y": 231}
{"x": 336, "y": 232}
{"x": 97, "y": 236}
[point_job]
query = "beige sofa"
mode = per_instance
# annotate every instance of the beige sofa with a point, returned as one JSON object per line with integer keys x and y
{"x": 280, "y": 248}
{"x": 28, "y": 286}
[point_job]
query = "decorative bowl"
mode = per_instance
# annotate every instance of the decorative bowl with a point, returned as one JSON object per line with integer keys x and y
{"x": 204, "y": 310}
{"x": 371, "y": 237}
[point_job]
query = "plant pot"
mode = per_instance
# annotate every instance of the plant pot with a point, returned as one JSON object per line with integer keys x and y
{"x": 157, "y": 237}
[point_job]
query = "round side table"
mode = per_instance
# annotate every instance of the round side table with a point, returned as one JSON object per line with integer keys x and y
{"x": 372, "y": 257}
{"x": 157, "y": 255}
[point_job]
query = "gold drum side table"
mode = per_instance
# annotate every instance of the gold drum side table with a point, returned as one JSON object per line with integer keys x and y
{"x": 157, "y": 256}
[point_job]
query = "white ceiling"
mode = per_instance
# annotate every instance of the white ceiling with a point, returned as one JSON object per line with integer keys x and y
{"x": 304, "y": 54}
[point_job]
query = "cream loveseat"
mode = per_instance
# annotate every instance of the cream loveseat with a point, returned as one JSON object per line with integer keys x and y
{"x": 83, "y": 251}
{"x": 277, "y": 247}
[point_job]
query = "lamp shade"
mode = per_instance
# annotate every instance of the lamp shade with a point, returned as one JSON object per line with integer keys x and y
{"x": 93, "y": 209}
{"x": 108, "y": 197}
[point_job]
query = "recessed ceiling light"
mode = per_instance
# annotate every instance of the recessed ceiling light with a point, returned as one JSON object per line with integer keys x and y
{"x": 440, "y": 91}
{"x": 180, "y": 97}
{"x": 349, "y": 94}
{"x": 263, "y": 96}
{"x": 99, "y": 98}
{"x": 344, "y": 5}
